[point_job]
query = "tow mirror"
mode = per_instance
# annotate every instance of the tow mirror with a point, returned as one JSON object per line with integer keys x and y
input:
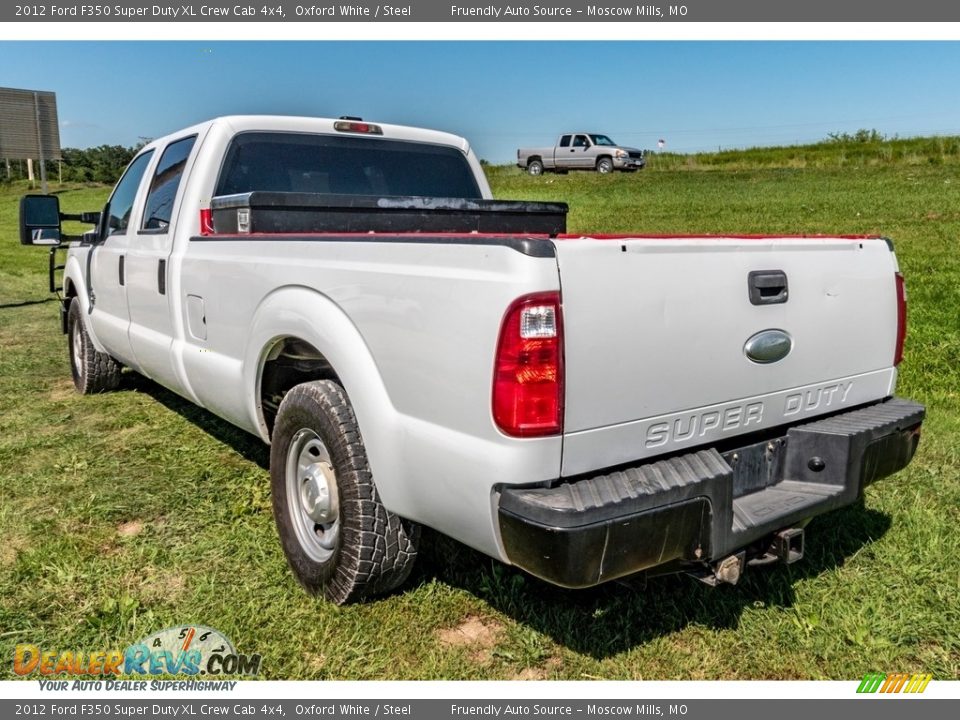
{"x": 40, "y": 220}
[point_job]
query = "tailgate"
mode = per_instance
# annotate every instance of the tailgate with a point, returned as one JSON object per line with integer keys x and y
{"x": 656, "y": 333}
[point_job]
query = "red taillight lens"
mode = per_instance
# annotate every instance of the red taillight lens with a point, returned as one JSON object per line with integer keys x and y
{"x": 206, "y": 221}
{"x": 528, "y": 369}
{"x": 901, "y": 319}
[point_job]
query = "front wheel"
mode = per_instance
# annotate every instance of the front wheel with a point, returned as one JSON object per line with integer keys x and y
{"x": 92, "y": 371}
{"x": 604, "y": 166}
{"x": 339, "y": 539}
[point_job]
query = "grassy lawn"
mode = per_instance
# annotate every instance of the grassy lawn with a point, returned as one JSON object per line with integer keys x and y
{"x": 125, "y": 513}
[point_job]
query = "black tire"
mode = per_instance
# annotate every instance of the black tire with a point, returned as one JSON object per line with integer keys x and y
{"x": 604, "y": 166}
{"x": 535, "y": 167}
{"x": 92, "y": 371}
{"x": 347, "y": 546}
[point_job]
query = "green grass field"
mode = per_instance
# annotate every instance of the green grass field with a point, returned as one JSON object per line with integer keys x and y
{"x": 125, "y": 513}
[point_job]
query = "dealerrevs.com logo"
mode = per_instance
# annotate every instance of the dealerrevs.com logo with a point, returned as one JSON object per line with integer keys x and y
{"x": 184, "y": 650}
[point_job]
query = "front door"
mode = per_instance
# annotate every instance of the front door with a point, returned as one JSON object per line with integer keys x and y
{"x": 583, "y": 154}
{"x": 107, "y": 275}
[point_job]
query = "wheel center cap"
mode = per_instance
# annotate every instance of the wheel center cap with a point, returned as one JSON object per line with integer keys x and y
{"x": 317, "y": 501}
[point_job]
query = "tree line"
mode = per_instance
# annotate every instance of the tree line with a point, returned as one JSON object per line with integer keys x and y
{"x": 102, "y": 164}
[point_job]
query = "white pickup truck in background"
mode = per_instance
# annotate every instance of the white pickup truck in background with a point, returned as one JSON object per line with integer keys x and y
{"x": 581, "y": 151}
{"x": 418, "y": 353}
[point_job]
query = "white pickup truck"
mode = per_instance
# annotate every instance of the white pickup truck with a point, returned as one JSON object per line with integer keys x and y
{"x": 585, "y": 408}
{"x": 581, "y": 151}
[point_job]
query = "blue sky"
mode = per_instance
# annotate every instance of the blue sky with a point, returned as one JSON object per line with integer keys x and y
{"x": 696, "y": 95}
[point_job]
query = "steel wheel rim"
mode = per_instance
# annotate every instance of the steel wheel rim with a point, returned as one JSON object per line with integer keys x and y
{"x": 313, "y": 501}
{"x": 75, "y": 351}
{"x": 535, "y": 169}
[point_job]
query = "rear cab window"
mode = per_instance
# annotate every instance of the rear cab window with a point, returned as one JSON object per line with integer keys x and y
{"x": 163, "y": 187}
{"x": 316, "y": 163}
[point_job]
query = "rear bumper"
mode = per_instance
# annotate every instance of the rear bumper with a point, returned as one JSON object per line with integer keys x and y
{"x": 703, "y": 506}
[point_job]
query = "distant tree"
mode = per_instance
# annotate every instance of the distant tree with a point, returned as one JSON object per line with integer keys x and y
{"x": 103, "y": 164}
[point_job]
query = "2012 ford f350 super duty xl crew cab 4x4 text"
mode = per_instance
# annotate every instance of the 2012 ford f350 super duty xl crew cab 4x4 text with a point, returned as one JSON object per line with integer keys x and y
{"x": 417, "y": 353}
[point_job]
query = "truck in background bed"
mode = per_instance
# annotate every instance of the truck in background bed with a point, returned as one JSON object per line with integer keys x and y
{"x": 417, "y": 353}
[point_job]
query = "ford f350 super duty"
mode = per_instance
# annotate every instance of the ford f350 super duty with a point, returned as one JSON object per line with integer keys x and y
{"x": 417, "y": 353}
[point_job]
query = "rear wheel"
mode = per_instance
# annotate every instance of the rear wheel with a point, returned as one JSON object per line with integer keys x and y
{"x": 339, "y": 539}
{"x": 92, "y": 371}
{"x": 535, "y": 167}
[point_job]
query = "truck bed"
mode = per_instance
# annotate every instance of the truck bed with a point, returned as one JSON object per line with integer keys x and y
{"x": 654, "y": 330}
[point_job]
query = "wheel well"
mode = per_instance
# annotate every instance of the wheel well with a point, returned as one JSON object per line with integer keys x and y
{"x": 604, "y": 157}
{"x": 535, "y": 158}
{"x": 289, "y": 362}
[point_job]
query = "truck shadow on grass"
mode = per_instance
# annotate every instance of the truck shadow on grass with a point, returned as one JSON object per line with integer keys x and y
{"x": 25, "y": 303}
{"x": 249, "y": 447}
{"x": 603, "y": 621}
{"x": 616, "y": 617}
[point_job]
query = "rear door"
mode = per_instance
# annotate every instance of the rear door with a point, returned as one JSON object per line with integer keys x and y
{"x": 562, "y": 154}
{"x": 149, "y": 289}
{"x": 657, "y": 332}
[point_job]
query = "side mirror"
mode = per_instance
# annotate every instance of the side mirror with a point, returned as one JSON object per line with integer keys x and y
{"x": 40, "y": 220}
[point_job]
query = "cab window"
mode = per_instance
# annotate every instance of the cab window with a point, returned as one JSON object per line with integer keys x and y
{"x": 163, "y": 187}
{"x": 121, "y": 202}
{"x": 315, "y": 163}
{"x": 580, "y": 141}
{"x": 565, "y": 141}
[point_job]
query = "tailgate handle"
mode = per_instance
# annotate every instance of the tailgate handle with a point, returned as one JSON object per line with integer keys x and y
{"x": 767, "y": 287}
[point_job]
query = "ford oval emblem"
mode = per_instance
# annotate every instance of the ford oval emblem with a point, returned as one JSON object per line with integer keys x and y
{"x": 768, "y": 346}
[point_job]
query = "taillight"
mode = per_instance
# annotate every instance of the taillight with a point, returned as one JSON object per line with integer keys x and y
{"x": 528, "y": 368}
{"x": 901, "y": 319}
{"x": 206, "y": 221}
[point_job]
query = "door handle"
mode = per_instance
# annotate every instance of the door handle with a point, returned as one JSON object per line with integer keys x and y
{"x": 122, "y": 278}
{"x": 767, "y": 287}
{"x": 162, "y": 277}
